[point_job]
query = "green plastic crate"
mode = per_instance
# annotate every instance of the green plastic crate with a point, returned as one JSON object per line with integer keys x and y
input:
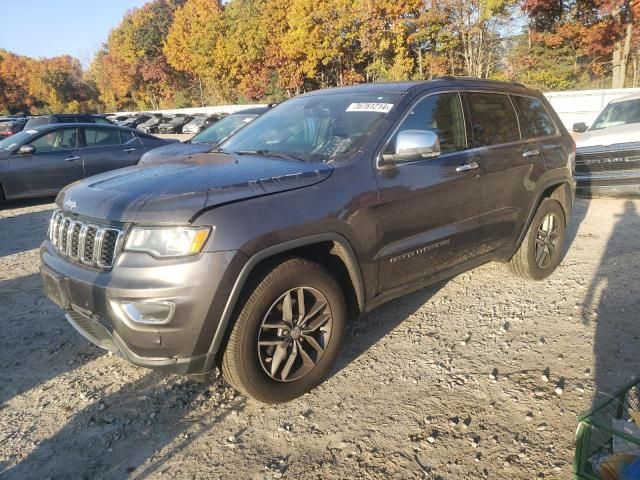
{"x": 597, "y": 436}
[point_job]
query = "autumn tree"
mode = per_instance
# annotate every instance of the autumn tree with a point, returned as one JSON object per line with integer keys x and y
{"x": 193, "y": 39}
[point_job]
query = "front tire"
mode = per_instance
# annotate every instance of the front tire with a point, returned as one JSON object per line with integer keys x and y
{"x": 541, "y": 250}
{"x": 287, "y": 333}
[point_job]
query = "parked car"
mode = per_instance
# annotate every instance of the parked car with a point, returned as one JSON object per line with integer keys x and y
{"x": 608, "y": 152}
{"x": 331, "y": 203}
{"x": 40, "y": 161}
{"x": 199, "y": 123}
{"x": 11, "y": 125}
{"x": 151, "y": 125}
{"x": 174, "y": 124}
{"x": 135, "y": 120}
{"x": 208, "y": 139}
{"x": 40, "y": 120}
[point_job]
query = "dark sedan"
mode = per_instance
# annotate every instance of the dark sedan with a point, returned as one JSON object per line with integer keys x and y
{"x": 41, "y": 161}
{"x": 175, "y": 124}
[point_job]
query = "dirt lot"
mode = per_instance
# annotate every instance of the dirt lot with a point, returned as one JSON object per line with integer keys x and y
{"x": 446, "y": 383}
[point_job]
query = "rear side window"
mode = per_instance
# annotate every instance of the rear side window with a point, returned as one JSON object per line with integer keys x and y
{"x": 441, "y": 114}
{"x": 493, "y": 119}
{"x": 101, "y": 137}
{"x": 534, "y": 118}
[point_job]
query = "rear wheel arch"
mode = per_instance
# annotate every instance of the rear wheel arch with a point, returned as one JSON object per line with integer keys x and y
{"x": 330, "y": 250}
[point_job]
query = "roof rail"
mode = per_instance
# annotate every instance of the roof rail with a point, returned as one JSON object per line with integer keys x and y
{"x": 455, "y": 77}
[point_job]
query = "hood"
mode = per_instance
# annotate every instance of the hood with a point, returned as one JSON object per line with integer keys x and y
{"x": 176, "y": 191}
{"x": 174, "y": 151}
{"x": 609, "y": 136}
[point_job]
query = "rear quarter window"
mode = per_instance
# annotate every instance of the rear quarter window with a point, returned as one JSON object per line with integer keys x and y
{"x": 493, "y": 119}
{"x": 534, "y": 118}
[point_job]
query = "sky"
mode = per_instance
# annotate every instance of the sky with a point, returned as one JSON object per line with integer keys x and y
{"x": 46, "y": 28}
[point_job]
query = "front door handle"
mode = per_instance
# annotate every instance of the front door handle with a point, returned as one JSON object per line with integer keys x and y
{"x": 129, "y": 150}
{"x": 531, "y": 153}
{"x": 467, "y": 166}
{"x": 72, "y": 158}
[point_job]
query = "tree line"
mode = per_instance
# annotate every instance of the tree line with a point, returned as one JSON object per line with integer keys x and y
{"x": 178, "y": 53}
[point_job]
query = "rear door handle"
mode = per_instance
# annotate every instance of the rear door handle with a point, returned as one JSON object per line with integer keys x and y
{"x": 531, "y": 153}
{"x": 72, "y": 158}
{"x": 467, "y": 166}
{"x": 129, "y": 150}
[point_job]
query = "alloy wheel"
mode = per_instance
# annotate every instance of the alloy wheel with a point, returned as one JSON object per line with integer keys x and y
{"x": 294, "y": 334}
{"x": 547, "y": 240}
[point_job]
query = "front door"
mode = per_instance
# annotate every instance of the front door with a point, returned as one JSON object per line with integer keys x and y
{"x": 54, "y": 164}
{"x": 428, "y": 209}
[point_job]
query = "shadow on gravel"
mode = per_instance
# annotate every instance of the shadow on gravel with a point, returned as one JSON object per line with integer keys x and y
{"x": 36, "y": 344}
{"x": 578, "y": 214}
{"x": 24, "y": 231}
{"x": 365, "y": 332}
{"x": 115, "y": 436}
{"x": 616, "y": 290}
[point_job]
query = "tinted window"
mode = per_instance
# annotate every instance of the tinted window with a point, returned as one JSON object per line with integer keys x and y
{"x": 126, "y": 136}
{"x": 441, "y": 114}
{"x": 37, "y": 121}
{"x": 101, "y": 137}
{"x": 534, "y": 119}
{"x": 493, "y": 120}
{"x": 64, "y": 139}
{"x": 102, "y": 121}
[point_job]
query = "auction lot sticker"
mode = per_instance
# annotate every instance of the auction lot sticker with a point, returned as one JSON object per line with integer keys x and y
{"x": 370, "y": 107}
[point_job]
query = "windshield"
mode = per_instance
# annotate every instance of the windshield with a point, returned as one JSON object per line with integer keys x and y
{"x": 223, "y": 128}
{"x": 13, "y": 141}
{"x": 619, "y": 113}
{"x": 327, "y": 127}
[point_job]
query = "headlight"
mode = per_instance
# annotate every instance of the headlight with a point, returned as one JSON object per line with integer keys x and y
{"x": 167, "y": 241}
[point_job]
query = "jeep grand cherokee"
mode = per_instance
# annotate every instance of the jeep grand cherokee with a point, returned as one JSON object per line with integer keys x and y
{"x": 253, "y": 256}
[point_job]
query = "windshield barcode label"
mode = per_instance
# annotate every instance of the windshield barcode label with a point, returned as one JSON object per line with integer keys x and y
{"x": 370, "y": 107}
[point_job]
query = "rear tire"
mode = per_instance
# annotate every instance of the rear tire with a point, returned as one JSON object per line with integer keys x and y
{"x": 276, "y": 350}
{"x": 541, "y": 250}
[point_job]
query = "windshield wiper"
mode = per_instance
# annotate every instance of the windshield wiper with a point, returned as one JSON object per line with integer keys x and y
{"x": 269, "y": 153}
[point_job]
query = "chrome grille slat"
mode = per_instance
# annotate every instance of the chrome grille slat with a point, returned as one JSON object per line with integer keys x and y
{"x": 84, "y": 242}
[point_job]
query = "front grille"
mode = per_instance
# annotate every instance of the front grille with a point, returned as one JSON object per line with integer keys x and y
{"x": 83, "y": 242}
{"x": 607, "y": 161}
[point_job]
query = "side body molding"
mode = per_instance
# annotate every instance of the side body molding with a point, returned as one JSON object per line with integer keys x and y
{"x": 344, "y": 251}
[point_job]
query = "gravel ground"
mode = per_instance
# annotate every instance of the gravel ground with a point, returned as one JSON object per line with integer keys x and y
{"x": 482, "y": 376}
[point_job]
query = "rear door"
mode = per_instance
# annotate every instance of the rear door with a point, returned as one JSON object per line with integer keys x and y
{"x": 108, "y": 148}
{"x": 510, "y": 167}
{"x": 428, "y": 209}
{"x": 54, "y": 164}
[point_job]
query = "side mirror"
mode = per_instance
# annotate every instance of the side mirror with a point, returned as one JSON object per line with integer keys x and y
{"x": 27, "y": 150}
{"x": 412, "y": 145}
{"x": 580, "y": 127}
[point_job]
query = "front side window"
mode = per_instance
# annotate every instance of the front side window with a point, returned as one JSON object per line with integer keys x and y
{"x": 493, "y": 119}
{"x": 101, "y": 137}
{"x": 534, "y": 118}
{"x": 326, "y": 127}
{"x": 441, "y": 114}
{"x": 65, "y": 139}
{"x": 618, "y": 113}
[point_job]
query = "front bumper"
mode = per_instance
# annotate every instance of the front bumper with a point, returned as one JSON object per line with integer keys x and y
{"x": 198, "y": 286}
{"x": 608, "y": 184}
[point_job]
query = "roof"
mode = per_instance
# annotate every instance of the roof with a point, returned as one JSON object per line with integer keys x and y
{"x": 54, "y": 126}
{"x": 403, "y": 87}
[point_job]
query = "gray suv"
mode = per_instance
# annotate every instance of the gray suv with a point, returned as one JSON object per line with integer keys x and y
{"x": 253, "y": 256}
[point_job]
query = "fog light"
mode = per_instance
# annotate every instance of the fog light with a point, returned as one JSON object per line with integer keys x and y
{"x": 149, "y": 311}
